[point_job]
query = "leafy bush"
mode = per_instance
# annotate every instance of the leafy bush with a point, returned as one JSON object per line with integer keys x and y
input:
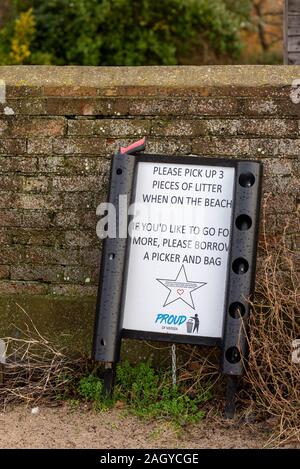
{"x": 23, "y": 35}
{"x": 129, "y": 32}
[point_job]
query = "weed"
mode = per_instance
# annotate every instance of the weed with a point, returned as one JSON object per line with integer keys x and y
{"x": 147, "y": 392}
{"x": 74, "y": 404}
{"x": 90, "y": 388}
{"x": 150, "y": 394}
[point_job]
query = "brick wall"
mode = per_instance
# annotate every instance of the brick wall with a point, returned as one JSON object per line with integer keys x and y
{"x": 58, "y": 127}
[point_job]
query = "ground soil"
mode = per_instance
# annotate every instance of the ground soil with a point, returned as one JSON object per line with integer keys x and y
{"x": 64, "y": 427}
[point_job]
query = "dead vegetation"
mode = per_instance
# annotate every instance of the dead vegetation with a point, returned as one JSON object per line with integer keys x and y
{"x": 273, "y": 372}
{"x": 35, "y": 369}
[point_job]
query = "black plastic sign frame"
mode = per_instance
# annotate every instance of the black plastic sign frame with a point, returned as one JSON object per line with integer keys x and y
{"x": 241, "y": 263}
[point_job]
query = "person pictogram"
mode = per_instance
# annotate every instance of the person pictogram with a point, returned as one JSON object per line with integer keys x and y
{"x": 196, "y": 323}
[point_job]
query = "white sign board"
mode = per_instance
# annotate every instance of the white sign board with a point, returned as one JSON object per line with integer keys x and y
{"x": 180, "y": 235}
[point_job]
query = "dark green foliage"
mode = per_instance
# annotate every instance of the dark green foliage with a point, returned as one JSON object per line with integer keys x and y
{"x": 131, "y": 32}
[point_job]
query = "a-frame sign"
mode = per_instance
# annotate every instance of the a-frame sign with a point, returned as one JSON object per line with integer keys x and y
{"x": 179, "y": 254}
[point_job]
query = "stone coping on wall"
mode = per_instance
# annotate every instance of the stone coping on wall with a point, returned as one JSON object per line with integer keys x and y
{"x": 107, "y": 79}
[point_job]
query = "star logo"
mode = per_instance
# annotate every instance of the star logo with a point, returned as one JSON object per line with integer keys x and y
{"x": 180, "y": 288}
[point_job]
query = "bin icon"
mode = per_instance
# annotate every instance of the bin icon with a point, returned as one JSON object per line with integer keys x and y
{"x": 189, "y": 325}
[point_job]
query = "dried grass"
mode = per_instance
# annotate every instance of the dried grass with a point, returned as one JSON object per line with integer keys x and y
{"x": 35, "y": 369}
{"x": 272, "y": 378}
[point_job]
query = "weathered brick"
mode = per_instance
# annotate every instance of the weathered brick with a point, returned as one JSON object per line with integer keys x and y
{"x": 70, "y": 91}
{"x": 72, "y": 165}
{"x": 286, "y": 107}
{"x": 157, "y": 107}
{"x": 296, "y": 168}
{"x": 87, "y": 275}
{"x": 38, "y": 237}
{"x": 11, "y": 217}
{"x": 282, "y": 185}
{"x": 39, "y": 146}
{"x": 89, "y": 219}
{"x": 54, "y": 274}
{"x": 278, "y": 167}
{"x": 90, "y": 256}
{"x": 28, "y": 106}
{"x": 11, "y": 182}
{"x": 5, "y": 235}
{"x": 86, "y": 106}
{"x": 23, "y": 288}
{"x": 80, "y": 127}
{"x": 87, "y": 166}
{"x": 224, "y": 90}
{"x": 258, "y": 107}
{"x": 76, "y": 183}
{"x": 28, "y": 126}
{"x": 252, "y": 147}
{"x": 35, "y": 184}
{"x": 73, "y": 290}
{"x": 4, "y": 272}
{"x": 37, "y": 218}
{"x": 51, "y": 164}
{"x": 84, "y": 218}
{"x": 214, "y": 146}
{"x": 38, "y": 273}
{"x": 11, "y": 255}
{"x": 121, "y": 127}
{"x": 6, "y": 198}
{"x": 280, "y": 202}
{"x": 224, "y": 127}
{"x": 79, "y": 146}
{"x": 37, "y": 201}
{"x": 178, "y": 127}
{"x": 81, "y": 200}
{"x": 80, "y": 238}
{"x": 18, "y": 164}
{"x": 170, "y": 146}
{"x": 213, "y": 106}
{"x": 68, "y": 219}
{"x": 275, "y": 147}
{"x": 254, "y": 127}
{"x": 12, "y": 146}
{"x": 40, "y": 127}
{"x": 25, "y": 272}
{"x": 3, "y": 127}
{"x": 23, "y": 91}
{"x": 46, "y": 255}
